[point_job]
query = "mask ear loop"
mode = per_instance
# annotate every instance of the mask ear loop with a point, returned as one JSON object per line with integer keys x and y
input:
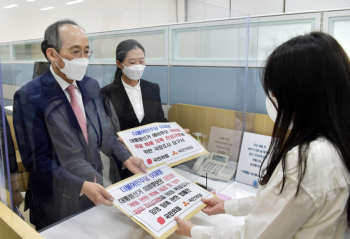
{"x": 60, "y": 57}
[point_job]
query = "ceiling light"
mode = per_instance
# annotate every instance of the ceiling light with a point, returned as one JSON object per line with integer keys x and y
{"x": 11, "y": 6}
{"x": 74, "y": 2}
{"x": 46, "y": 8}
{"x": 30, "y": 0}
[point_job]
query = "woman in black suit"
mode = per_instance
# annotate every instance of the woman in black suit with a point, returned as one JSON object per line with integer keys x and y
{"x": 130, "y": 101}
{"x": 133, "y": 101}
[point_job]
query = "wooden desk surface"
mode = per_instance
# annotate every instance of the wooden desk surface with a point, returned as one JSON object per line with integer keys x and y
{"x": 12, "y": 226}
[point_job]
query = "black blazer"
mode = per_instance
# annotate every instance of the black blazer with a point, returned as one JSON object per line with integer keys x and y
{"x": 115, "y": 94}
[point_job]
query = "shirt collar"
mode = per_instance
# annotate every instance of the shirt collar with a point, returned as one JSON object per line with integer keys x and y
{"x": 129, "y": 88}
{"x": 64, "y": 84}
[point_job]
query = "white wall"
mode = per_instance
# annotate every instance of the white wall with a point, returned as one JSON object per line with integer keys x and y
{"x": 27, "y": 22}
{"x": 261, "y": 7}
{"x": 253, "y": 7}
{"x": 219, "y": 3}
{"x": 257, "y": 7}
{"x": 312, "y": 5}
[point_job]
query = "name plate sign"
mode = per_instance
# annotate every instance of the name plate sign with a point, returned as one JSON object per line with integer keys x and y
{"x": 253, "y": 150}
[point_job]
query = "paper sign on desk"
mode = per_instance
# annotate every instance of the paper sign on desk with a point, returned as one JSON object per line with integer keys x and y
{"x": 152, "y": 200}
{"x": 161, "y": 142}
{"x": 253, "y": 150}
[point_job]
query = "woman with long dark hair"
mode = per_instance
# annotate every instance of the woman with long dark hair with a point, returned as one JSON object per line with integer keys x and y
{"x": 129, "y": 100}
{"x": 304, "y": 189}
{"x": 135, "y": 101}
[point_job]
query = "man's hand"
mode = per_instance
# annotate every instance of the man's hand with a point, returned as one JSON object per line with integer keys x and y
{"x": 215, "y": 206}
{"x": 97, "y": 194}
{"x": 135, "y": 165}
{"x": 16, "y": 194}
{"x": 184, "y": 227}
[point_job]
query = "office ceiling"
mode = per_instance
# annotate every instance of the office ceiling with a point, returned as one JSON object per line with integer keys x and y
{"x": 33, "y": 5}
{"x": 27, "y": 21}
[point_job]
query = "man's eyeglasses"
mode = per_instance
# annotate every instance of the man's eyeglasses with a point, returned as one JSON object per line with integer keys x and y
{"x": 79, "y": 53}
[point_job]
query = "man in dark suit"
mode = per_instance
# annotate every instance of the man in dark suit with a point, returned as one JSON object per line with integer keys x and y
{"x": 61, "y": 128}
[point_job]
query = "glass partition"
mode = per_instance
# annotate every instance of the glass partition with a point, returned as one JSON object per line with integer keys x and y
{"x": 9, "y": 186}
{"x": 208, "y": 88}
{"x": 270, "y": 32}
{"x": 203, "y": 70}
{"x": 196, "y": 73}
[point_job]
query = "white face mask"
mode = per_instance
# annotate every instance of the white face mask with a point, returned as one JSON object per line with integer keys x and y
{"x": 74, "y": 69}
{"x": 271, "y": 110}
{"x": 134, "y": 72}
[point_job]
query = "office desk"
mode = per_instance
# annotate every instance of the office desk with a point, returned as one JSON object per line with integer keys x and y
{"x": 108, "y": 222}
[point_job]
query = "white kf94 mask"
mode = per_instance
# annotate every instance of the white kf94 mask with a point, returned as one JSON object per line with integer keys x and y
{"x": 271, "y": 110}
{"x": 134, "y": 72}
{"x": 74, "y": 69}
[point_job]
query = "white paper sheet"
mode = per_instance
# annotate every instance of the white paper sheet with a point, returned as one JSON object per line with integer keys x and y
{"x": 155, "y": 198}
{"x": 160, "y": 142}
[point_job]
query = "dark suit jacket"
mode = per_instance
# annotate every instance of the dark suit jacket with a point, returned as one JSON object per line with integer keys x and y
{"x": 53, "y": 147}
{"x": 9, "y": 143}
{"x": 116, "y": 94}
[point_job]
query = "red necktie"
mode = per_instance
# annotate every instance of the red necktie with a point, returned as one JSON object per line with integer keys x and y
{"x": 78, "y": 111}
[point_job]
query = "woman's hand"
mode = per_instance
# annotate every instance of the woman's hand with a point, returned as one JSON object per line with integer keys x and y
{"x": 187, "y": 131}
{"x": 184, "y": 227}
{"x": 215, "y": 206}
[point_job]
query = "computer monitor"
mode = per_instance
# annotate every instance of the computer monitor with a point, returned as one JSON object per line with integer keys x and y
{"x": 40, "y": 68}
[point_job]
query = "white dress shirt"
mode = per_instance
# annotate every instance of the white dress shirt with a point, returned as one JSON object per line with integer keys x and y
{"x": 319, "y": 210}
{"x": 64, "y": 85}
{"x": 135, "y": 97}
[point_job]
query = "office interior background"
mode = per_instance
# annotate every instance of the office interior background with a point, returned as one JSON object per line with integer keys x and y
{"x": 177, "y": 53}
{"x": 204, "y": 53}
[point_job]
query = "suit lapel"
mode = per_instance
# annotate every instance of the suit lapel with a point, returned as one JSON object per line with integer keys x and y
{"x": 59, "y": 99}
{"x": 147, "y": 107}
{"x": 125, "y": 107}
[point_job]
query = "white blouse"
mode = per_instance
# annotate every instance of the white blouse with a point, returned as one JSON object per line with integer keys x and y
{"x": 319, "y": 210}
{"x": 135, "y": 97}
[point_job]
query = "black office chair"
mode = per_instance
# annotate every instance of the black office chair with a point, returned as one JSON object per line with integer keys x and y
{"x": 40, "y": 68}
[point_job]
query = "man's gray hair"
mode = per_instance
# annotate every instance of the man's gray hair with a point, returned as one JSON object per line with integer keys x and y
{"x": 52, "y": 38}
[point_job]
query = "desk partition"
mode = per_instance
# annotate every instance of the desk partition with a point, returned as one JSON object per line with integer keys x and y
{"x": 208, "y": 67}
{"x": 203, "y": 62}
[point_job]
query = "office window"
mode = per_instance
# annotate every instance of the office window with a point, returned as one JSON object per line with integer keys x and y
{"x": 30, "y": 51}
{"x": 339, "y": 27}
{"x": 225, "y": 43}
{"x": 5, "y": 53}
{"x": 274, "y": 33}
{"x": 105, "y": 46}
{"x": 213, "y": 43}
